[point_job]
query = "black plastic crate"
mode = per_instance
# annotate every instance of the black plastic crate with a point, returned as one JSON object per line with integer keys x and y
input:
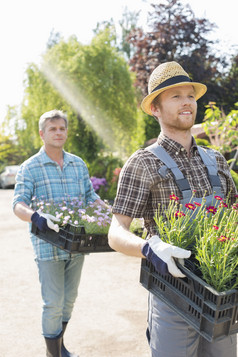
{"x": 73, "y": 239}
{"x": 212, "y": 314}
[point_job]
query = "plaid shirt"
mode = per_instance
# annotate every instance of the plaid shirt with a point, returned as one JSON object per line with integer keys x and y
{"x": 42, "y": 177}
{"x": 141, "y": 187}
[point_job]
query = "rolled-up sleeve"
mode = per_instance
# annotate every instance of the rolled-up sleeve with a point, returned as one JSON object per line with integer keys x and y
{"x": 24, "y": 186}
{"x": 133, "y": 188}
{"x": 90, "y": 194}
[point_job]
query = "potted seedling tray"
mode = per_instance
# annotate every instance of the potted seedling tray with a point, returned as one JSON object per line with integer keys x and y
{"x": 74, "y": 239}
{"x": 212, "y": 314}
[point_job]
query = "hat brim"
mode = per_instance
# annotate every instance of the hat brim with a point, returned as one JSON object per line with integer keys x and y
{"x": 200, "y": 90}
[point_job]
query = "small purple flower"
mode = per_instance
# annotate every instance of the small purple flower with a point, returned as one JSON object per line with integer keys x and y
{"x": 98, "y": 182}
{"x": 81, "y": 211}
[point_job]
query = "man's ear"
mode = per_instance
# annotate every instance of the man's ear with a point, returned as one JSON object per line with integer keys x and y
{"x": 41, "y": 134}
{"x": 155, "y": 111}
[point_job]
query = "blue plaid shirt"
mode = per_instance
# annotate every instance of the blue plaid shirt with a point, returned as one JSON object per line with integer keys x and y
{"x": 41, "y": 177}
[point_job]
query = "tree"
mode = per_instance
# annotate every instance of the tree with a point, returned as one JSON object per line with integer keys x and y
{"x": 96, "y": 81}
{"x": 39, "y": 96}
{"x": 9, "y": 152}
{"x": 127, "y": 23}
{"x": 93, "y": 85}
{"x": 228, "y": 86}
{"x": 54, "y": 38}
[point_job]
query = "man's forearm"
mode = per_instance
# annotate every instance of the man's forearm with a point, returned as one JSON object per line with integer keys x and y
{"x": 23, "y": 211}
{"x": 124, "y": 241}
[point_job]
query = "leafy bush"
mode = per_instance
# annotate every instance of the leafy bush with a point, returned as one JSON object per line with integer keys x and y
{"x": 235, "y": 177}
{"x": 105, "y": 170}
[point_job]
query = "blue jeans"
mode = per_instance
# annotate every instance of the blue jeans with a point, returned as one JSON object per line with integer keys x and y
{"x": 59, "y": 289}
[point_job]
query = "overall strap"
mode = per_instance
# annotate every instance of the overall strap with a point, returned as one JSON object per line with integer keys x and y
{"x": 209, "y": 161}
{"x": 181, "y": 181}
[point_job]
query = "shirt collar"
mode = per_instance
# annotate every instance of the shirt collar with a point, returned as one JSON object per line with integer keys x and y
{"x": 173, "y": 147}
{"x": 46, "y": 159}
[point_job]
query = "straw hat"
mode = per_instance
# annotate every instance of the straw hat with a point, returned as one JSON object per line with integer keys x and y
{"x": 165, "y": 76}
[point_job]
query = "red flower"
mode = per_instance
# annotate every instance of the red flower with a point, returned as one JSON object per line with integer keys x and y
{"x": 235, "y": 206}
{"x": 215, "y": 227}
{"x": 173, "y": 197}
{"x": 179, "y": 214}
{"x": 218, "y": 198}
{"x": 197, "y": 203}
{"x": 223, "y": 239}
{"x": 223, "y": 204}
{"x": 116, "y": 173}
{"x": 211, "y": 209}
{"x": 190, "y": 206}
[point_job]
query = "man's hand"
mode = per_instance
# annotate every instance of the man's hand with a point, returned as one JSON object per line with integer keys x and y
{"x": 162, "y": 255}
{"x": 44, "y": 221}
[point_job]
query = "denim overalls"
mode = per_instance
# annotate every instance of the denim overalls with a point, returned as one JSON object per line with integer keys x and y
{"x": 170, "y": 335}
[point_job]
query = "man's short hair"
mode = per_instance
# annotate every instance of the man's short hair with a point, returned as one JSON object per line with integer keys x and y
{"x": 52, "y": 115}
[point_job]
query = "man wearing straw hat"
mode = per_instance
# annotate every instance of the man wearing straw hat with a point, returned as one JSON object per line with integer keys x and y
{"x": 147, "y": 179}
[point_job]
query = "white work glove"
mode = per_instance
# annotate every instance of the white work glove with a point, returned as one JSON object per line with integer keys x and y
{"x": 44, "y": 221}
{"x": 162, "y": 255}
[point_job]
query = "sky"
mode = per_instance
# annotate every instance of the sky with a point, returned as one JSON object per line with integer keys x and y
{"x": 25, "y": 27}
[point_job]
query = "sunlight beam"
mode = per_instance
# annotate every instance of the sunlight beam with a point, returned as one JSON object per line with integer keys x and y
{"x": 91, "y": 114}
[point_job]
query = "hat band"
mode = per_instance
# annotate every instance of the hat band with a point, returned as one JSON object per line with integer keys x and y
{"x": 171, "y": 81}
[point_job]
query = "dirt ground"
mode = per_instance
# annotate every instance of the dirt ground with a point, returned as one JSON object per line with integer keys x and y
{"x": 109, "y": 318}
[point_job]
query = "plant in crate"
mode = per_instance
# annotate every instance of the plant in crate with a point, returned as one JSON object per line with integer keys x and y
{"x": 94, "y": 218}
{"x": 211, "y": 232}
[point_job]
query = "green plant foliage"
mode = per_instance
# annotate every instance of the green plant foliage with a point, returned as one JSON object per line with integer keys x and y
{"x": 202, "y": 142}
{"x": 8, "y": 152}
{"x": 222, "y": 131}
{"x": 152, "y": 127}
{"x": 235, "y": 178}
{"x": 209, "y": 231}
{"x": 106, "y": 167}
{"x": 220, "y": 128}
